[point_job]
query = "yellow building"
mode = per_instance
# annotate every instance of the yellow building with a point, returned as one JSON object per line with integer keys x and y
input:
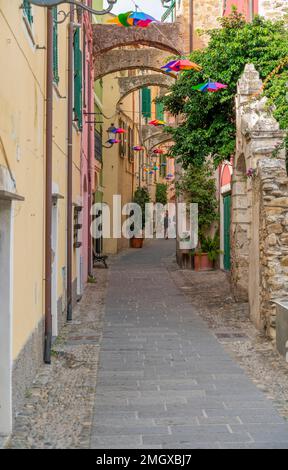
{"x": 22, "y": 195}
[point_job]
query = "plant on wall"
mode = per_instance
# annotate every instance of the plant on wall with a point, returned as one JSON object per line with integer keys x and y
{"x": 198, "y": 186}
{"x": 208, "y": 126}
{"x": 161, "y": 193}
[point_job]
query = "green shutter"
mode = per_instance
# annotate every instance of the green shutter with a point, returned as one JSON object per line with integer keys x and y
{"x": 78, "y": 79}
{"x": 163, "y": 169}
{"x": 159, "y": 111}
{"x": 55, "y": 46}
{"x": 28, "y": 11}
{"x": 227, "y": 226}
{"x": 146, "y": 102}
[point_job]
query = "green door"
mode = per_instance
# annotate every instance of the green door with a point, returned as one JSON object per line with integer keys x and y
{"x": 227, "y": 223}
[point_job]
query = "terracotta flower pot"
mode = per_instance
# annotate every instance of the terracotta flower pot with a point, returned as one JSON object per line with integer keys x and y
{"x": 202, "y": 262}
{"x": 136, "y": 242}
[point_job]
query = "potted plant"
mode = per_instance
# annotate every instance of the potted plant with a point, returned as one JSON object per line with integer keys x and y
{"x": 141, "y": 197}
{"x": 207, "y": 254}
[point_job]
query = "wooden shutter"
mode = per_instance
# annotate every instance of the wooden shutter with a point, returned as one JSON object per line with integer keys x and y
{"x": 78, "y": 79}
{"x": 159, "y": 111}
{"x": 146, "y": 102}
{"x": 28, "y": 11}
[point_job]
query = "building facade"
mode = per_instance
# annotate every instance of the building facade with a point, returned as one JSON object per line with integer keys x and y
{"x": 23, "y": 188}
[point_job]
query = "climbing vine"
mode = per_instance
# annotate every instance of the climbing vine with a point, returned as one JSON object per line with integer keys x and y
{"x": 208, "y": 126}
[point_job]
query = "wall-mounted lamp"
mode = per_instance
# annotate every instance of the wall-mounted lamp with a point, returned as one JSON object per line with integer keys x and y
{"x": 76, "y": 3}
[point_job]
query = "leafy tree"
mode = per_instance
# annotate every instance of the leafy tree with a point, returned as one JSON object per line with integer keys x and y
{"x": 161, "y": 193}
{"x": 142, "y": 197}
{"x": 208, "y": 127}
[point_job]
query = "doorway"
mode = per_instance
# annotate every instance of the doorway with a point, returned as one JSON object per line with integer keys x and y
{"x": 54, "y": 292}
{"x": 227, "y": 227}
{"x": 6, "y": 309}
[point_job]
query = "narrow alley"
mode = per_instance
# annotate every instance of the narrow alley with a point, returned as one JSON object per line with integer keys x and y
{"x": 163, "y": 380}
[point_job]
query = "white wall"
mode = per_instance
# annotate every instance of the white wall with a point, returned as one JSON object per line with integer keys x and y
{"x": 6, "y": 263}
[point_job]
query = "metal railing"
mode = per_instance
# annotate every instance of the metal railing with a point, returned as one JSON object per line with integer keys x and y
{"x": 169, "y": 11}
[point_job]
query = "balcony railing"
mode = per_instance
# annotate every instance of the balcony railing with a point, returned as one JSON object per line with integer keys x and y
{"x": 169, "y": 11}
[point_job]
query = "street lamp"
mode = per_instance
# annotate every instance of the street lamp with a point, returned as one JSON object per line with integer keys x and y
{"x": 76, "y": 3}
{"x": 111, "y": 131}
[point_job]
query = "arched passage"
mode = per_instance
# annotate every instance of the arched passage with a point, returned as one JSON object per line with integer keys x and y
{"x": 164, "y": 36}
{"x": 129, "y": 84}
{"x": 129, "y": 59}
{"x": 157, "y": 140}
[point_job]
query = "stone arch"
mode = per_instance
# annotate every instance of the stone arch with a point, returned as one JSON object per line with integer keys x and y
{"x": 164, "y": 36}
{"x": 123, "y": 59}
{"x": 157, "y": 139}
{"x": 129, "y": 84}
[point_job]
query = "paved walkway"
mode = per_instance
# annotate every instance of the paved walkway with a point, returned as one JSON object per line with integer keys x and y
{"x": 164, "y": 380}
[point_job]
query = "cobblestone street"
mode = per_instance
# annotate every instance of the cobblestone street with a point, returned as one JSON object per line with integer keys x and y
{"x": 163, "y": 380}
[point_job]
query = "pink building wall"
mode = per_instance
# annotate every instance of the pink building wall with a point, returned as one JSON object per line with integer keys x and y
{"x": 87, "y": 160}
{"x": 243, "y": 6}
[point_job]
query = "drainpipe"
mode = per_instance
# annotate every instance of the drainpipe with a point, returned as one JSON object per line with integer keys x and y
{"x": 191, "y": 25}
{"x": 70, "y": 163}
{"x": 48, "y": 195}
{"x": 90, "y": 267}
{"x": 251, "y": 9}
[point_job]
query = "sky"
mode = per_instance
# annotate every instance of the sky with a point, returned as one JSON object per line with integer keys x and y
{"x": 152, "y": 7}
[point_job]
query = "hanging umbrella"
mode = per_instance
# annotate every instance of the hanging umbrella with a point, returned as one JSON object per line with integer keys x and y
{"x": 181, "y": 64}
{"x": 119, "y": 130}
{"x": 138, "y": 148}
{"x": 209, "y": 86}
{"x": 113, "y": 141}
{"x": 141, "y": 19}
{"x": 138, "y": 19}
{"x": 158, "y": 151}
{"x": 167, "y": 67}
{"x": 156, "y": 122}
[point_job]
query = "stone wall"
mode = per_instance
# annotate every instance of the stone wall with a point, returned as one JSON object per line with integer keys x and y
{"x": 259, "y": 232}
{"x": 273, "y": 9}
{"x": 205, "y": 14}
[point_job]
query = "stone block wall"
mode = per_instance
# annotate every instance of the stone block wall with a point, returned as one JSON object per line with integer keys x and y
{"x": 273, "y": 9}
{"x": 259, "y": 232}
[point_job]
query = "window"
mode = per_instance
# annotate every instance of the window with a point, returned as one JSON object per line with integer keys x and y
{"x": 123, "y": 144}
{"x": 159, "y": 111}
{"x": 130, "y": 144}
{"x": 163, "y": 167}
{"x": 146, "y": 102}
{"x": 27, "y": 9}
{"x": 55, "y": 46}
{"x": 78, "y": 80}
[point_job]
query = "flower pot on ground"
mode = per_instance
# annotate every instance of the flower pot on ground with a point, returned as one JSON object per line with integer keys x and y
{"x": 136, "y": 242}
{"x": 204, "y": 259}
{"x": 202, "y": 262}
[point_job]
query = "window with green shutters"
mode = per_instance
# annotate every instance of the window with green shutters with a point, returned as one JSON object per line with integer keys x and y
{"x": 146, "y": 103}
{"x": 163, "y": 168}
{"x": 159, "y": 111}
{"x": 28, "y": 11}
{"x": 55, "y": 47}
{"x": 77, "y": 79}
